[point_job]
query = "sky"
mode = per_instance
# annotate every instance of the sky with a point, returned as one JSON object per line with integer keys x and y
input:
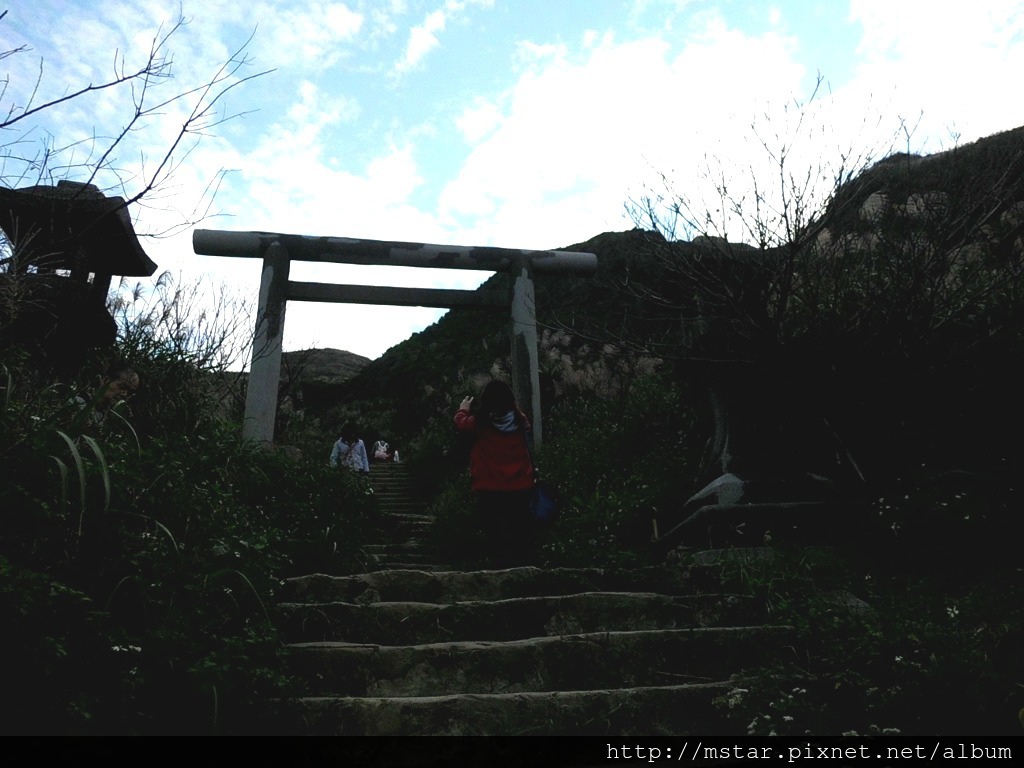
{"x": 514, "y": 123}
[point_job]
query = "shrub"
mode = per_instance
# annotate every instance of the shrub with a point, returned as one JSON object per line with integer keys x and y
{"x": 927, "y": 648}
{"x": 141, "y": 548}
{"x": 615, "y": 462}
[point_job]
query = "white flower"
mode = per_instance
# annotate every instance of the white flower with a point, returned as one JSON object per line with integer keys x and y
{"x": 735, "y": 696}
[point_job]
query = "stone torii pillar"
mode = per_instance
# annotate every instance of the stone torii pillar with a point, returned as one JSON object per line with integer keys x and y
{"x": 278, "y": 250}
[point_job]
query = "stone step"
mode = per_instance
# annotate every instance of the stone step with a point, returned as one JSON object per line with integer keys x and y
{"x": 392, "y": 560}
{"x": 457, "y": 586}
{"x": 411, "y": 648}
{"x": 399, "y": 511}
{"x": 424, "y": 565}
{"x": 411, "y": 544}
{"x": 397, "y": 530}
{"x": 404, "y": 515}
{"x": 627, "y": 659}
{"x": 406, "y": 560}
{"x": 388, "y": 525}
{"x": 411, "y": 518}
{"x": 380, "y": 473}
{"x": 402, "y": 539}
{"x": 647, "y": 711}
{"x": 403, "y": 623}
{"x": 391, "y": 488}
{"x": 395, "y": 497}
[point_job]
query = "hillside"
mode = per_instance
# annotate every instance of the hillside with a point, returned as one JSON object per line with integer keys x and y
{"x": 311, "y": 378}
{"x": 580, "y": 317}
{"x": 322, "y": 365}
{"x": 426, "y": 374}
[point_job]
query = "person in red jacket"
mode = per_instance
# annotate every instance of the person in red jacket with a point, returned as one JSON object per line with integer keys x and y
{"x": 501, "y": 472}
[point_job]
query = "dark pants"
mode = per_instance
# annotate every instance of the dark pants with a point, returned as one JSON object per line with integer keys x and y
{"x": 507, "y": 525}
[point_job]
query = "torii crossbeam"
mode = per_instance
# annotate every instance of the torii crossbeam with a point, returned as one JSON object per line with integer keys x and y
{"x": 279, "y": 250}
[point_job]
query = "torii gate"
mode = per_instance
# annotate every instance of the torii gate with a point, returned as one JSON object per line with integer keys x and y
{"x": 276, "y": 290}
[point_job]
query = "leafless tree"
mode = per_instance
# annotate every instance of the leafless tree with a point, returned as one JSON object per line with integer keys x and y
{"x": 96, "y": 182}
{"x": 749, "y": 229}
{"x": 851, "y": 246}
{"x": 830, "y": 288}
{"x": 29, "y": 155}
{"x": 204, "y": 325}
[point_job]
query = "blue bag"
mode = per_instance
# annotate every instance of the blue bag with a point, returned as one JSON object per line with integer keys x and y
{"x": 543, "y": 504}
{"x": 543, "y": 498}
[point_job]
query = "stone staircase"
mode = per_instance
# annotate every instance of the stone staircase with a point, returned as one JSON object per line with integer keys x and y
{"x": 404, "y": 533}
{"x": 414, "y": 649}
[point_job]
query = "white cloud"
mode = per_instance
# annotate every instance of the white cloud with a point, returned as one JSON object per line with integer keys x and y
{"x": 478, "y": 121}
{"x": 422, "y": 40}
{"x": 316, "y": 110}
{"x": 529, "y": 54}
{"x": 310, "y": 33}
{"x": 947, "y": 62}
{"x": 588, "y": 131}
{"x": 394, "y": 176}
{"x": 424, "y": 37}
{"x": 290, "y": 182}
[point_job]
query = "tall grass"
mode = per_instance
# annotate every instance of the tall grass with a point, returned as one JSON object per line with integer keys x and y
{"x": 141, "y": 546}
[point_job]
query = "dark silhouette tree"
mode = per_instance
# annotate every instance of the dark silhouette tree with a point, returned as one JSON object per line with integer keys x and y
{"x": 853, "y": 316}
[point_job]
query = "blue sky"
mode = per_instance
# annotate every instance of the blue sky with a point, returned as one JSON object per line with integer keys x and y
{"x": 516, "y": 123}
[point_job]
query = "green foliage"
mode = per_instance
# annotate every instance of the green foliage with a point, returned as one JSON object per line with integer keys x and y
{"x": 882, "y": 299}
{"x": 888, "y": 644}
{"x": 141, "y": 546}
{"x": 601, "y": 529}
{"x": 616, "y": 462}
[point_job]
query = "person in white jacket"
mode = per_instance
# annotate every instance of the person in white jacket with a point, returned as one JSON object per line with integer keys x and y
{"x": 349, "y": 451}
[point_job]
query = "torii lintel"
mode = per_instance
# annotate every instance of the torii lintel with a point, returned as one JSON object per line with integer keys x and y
{"x": 278, "y": 251}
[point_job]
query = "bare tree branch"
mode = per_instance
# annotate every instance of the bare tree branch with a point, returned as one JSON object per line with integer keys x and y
{"x": 98, "y": 156}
